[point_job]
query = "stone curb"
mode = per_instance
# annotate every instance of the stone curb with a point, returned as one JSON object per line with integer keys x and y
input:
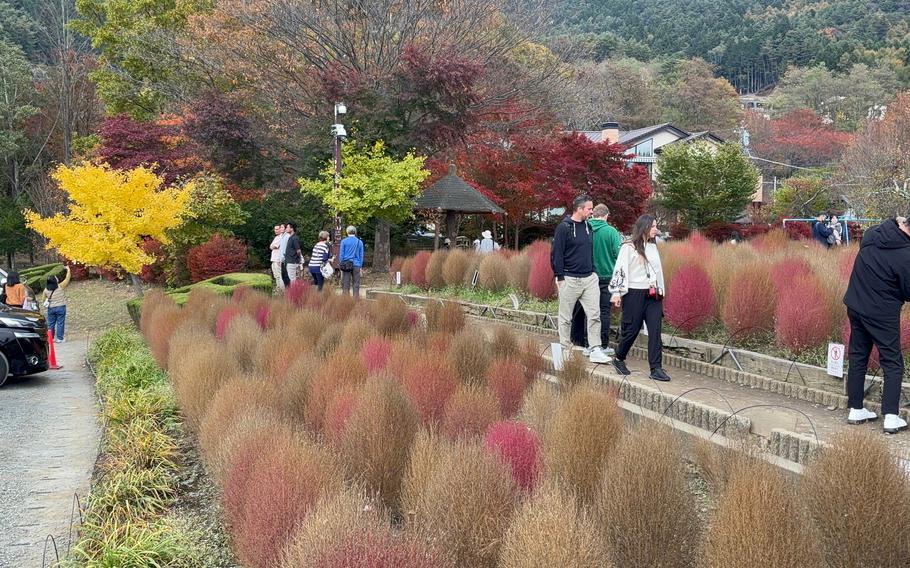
{"x": 797, "y": 448}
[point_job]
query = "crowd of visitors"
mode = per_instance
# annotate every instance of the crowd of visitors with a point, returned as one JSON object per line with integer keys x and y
{"x": 288, "y": 259}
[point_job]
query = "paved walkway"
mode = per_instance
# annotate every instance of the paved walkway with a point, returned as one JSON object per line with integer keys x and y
{"x": 49, "y": 435}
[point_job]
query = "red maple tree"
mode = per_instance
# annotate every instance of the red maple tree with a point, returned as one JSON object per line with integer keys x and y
{"x": 800, "y": 138}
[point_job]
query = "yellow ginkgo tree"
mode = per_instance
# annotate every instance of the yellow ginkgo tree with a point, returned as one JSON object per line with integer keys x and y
{"x": 110, "y": 213}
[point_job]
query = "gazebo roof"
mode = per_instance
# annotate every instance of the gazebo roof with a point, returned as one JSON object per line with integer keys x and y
{"x": 451, "y": 193}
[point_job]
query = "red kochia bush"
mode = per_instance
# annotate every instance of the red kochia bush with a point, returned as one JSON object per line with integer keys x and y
{"x": 506, "y": 378}
{"x": 469, "y": 413}
{"x": 541, "y": 283}
{"x": 220, "y": 255}
{"x": 751, "y": 301}
{"x": 419, "y": 269}
{"x": 690, "y": 300}
{"x": 263, "y": 314}
{"x": 516, "y": 444}
{"x": 375, "y": 353}
{"x": 785, "y": 271}
{"x": 225, "y": 317}
{"x": 429, "y": 382}
{"x": 803, "y": 320}
{"x": 298, "y": 291}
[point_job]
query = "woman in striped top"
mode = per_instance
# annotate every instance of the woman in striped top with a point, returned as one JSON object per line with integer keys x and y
{"x": 319, "y": 257}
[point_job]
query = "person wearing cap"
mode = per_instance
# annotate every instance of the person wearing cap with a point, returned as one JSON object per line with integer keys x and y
{"x": 487, "y": 244}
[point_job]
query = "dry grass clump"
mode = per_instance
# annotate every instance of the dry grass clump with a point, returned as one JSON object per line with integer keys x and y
{"x": 580, "y": 437}
{"x": 470, "y": 356}
{"x": 473, "y": 266}
{"x": 429, "y": 382}
{"x": 306, "y": 326}
{"x": 551, "y": 530}
{"x": 506, "y": 379}
{"x": 759, "y": 522}
{"x": 724, "y": 262}
{"x": 197, "y": 371}
{"x": 228, "y": 424}
{"x": 407, "y": 270}
{"x": 329, "y": 340}
{"x": 857, "y": 491}
{"x": 539, "y": 406}
{"x": 375, "y": 441}
{"x": 382, "y": 546}
{"x": 428, "y": 451}
{"x": 243, "y": 340}
{"x": 444, "y": 316}
{"x": 339, "y": 370}
{"x": 466, "y": 505}
{"x": 469, "y": 412}
{"x": 277, "y": 350}
{"x": 646, "y": 510}
{"x": 187, "y": 333}
{"x": 505, "y": 342}
{"x": 519, "y": 268}
{"x": 494, "y": 275}
{"x": 283, "y": 486}
{"x": 405, "y": 350}
{"x": 339, "y": 306}
{"x": 574, "y": 371}
{"x": 153, "y": 301}
{"x": 356, "y": 331}
{"x": 293, "y": 392}
{"x": 390, "y": 316}
{"x": 455, "y": 267}
{"x": 339, "y": 409}
{"x": 205, "y": 305}
{"x": 161, "y": 325}
{"x": 434, "y": 272}
{"x": 531, "y": 359}
{"x": 334, "y": 519}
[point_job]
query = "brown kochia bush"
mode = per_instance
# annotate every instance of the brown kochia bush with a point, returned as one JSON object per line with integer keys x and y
{"x": 444, "y": 316}
{"x": 759, "y": 522}
{"x": 469, "y": 412}
{"x": 339, "y": 370}
{"x": 470, "y": 356}
{"x": 221, "y": 434}
{"x": 574, "y": 371}
{"x": 465, "y": 505}
{"x": 161, "y": 325}
{"x": 205, "y": 305}
{"x": 197, "y": 371}
{"x": 356, "y": 331}
{"x": 579, "y": 438}
{"x": 390, "y": 316}
{"x": 243, "y": 340}
{"x": 551, "y": 530}
{"x": 294, "y": 391}
{"x": 284, "y": 484}
{"x": 455, "y": 267}
{"x": 153, "y": 301}
{"x": 539, "y": 405}
{"x": 494, "y": 274}
{"x": 505, "y": 342}
{"x": 377, "y": 436}
{"x": 519, "y": 268}
{"x": 858, "y": 492}
{"x": 434, "y": 273}
{"x": 646, "y": 511}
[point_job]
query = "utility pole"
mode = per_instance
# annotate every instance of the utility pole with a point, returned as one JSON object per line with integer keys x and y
{"x": 339, "y": 133}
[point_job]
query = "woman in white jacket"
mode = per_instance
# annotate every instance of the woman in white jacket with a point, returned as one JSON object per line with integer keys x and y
{"x": 638, "y": 286}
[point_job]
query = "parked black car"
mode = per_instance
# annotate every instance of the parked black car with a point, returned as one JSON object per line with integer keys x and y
{"x": 23, "y": 343}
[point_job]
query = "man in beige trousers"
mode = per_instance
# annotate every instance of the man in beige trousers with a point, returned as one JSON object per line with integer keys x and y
{"x": 572, "y": 258}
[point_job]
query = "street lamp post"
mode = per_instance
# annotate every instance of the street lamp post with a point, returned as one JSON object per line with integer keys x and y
{"x": 339, "y": 133}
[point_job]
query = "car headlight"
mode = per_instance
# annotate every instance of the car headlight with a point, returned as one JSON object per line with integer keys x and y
{"x": 12, "y": 322}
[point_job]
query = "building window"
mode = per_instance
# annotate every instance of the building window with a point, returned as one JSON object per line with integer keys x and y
{"x": 645, "y": 149}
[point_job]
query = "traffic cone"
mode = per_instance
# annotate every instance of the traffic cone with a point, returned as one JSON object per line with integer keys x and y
{"x": 51, "y": 353}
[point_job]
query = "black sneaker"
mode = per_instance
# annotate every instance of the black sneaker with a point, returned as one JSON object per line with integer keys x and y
{"x": 620, "y": 367}
{"x": 659, "y": 374}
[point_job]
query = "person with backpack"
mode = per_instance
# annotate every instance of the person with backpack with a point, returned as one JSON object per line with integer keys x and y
{"x": 821, "y": 232}
{"x": 55, "y": 302}
{"x": 350, "y": 261}
{"x": 879, "y": 286}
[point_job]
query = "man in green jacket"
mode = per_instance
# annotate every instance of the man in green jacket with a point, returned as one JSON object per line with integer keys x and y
{"x": 607, "y": 241}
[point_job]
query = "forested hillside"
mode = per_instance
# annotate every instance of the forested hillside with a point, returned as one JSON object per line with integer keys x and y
{"x": 751, "y": 42}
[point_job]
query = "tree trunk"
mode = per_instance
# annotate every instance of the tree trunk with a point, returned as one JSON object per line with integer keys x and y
{"x": 382, "y": 247}
{"x": 517, "y": 231}
{"x": 137, "y": 285}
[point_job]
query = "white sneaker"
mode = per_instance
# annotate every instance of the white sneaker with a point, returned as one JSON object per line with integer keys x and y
{"x": 860, "y": 416}
{"x": 894, "y": 424}
{"x": 586, "y": 351}
{"x": 598, "y": 356}
{"x": 609, "y": 351}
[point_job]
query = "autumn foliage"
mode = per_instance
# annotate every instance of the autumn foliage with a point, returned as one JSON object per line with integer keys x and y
{"x": 690, "y": 303}
{"x": 220, "y": 255}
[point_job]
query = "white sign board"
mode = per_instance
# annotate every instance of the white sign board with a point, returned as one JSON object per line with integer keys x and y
{"x": 474, "y": 279}
{"x": 398, "y": 278}
{"x": 514, "y": 299}
{"x": 558, "y": 357}
{"x": 836, "y": 360}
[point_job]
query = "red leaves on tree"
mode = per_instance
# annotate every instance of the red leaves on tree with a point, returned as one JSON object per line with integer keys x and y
{"x": 800, "y": 137}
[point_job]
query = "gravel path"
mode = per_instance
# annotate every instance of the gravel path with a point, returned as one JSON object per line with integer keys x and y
{"x": 49, "y": 435}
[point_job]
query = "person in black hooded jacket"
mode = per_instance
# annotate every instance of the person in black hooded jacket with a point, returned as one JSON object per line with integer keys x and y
{"x": 879, "y": 286}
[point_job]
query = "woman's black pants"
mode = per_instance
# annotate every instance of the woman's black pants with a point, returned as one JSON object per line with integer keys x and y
{"x": 638, "y": 307}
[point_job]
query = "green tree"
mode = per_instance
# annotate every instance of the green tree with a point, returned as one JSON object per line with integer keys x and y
{"x": 14, "y": 235}
{"x": 697, "y": 100}
{"x": 17, "y": 92}
{"x": 802, "y": 196}
{"x": 278, "y": 207}
{"x": 136, "y": 41}
{"x": 372, "y": 185}
{"x": 211, "y": 210}
{"x": 705, "y": 183}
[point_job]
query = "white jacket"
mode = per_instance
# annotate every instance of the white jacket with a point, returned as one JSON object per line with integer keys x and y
{"x": 635, "y": 273}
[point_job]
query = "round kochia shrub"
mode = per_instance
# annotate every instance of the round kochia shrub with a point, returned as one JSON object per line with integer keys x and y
{"x": 803, "y": 320}
{"x": 519, "y": 447}
{"x": 690, "y": 300}
{"x": 434, "y": 271}
{"x": 419, "y": 269}
{"x": 455, "y": 267}
{"x": 751, "y": 302}
{"x": 541, "y": 282}
{"x": 220, "y": 255}
{"x": 469, "y": 412}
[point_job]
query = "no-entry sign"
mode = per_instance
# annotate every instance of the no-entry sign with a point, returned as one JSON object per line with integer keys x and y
{"x": 836, "y": 360}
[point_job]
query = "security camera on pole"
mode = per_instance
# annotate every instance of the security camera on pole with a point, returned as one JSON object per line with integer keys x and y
{"x": 339, "y": 133}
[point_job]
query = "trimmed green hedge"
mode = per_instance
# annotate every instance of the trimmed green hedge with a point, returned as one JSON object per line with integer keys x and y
{"x": 225, "y": 284}
{"x": 36, "y": 276}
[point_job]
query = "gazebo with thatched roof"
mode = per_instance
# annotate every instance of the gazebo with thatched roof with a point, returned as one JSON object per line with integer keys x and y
{"x": 452, "y": 196}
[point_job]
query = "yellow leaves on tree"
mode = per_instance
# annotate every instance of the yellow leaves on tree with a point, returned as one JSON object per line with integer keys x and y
{"x": 110, "y": 212}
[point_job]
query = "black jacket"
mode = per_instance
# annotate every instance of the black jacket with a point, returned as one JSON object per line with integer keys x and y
{"x": 821, "y": 232}
{"x": 880, "y": 283}
{"x": 573, "y": 250}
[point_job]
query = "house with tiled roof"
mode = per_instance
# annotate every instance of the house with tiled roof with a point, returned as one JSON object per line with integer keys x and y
{"x": 644, "y": 144}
